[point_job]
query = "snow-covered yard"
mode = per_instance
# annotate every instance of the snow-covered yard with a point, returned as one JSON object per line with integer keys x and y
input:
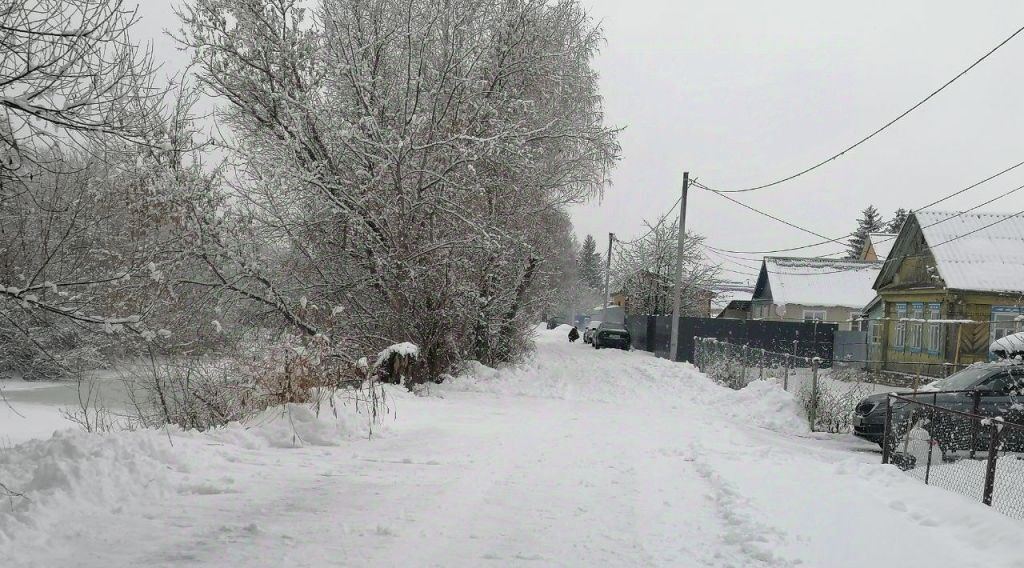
{"x": 579, "y": 458}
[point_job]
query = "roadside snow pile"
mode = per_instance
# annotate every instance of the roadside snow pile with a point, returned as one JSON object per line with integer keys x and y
{"x": 295, "y": 425}
{"x": 76, "y": 472}
{"x": 561, "y": 370}
{"x": 765, "y": 404}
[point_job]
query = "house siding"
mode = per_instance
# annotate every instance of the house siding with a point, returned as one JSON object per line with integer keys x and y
{"x": 795, "y": 312}
{"x": 960, "y": 343}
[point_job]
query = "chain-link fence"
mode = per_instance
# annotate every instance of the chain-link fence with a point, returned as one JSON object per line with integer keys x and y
{"x": 967, "y": 441}
{"x": 955, "y": 440}
{"x": 826, "y": 394}
{"x": 907, "y": 374}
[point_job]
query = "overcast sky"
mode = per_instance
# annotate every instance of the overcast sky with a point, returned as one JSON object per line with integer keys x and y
{"x": 744, "y": 92}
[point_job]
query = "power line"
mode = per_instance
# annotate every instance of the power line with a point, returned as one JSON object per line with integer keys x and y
{"x": 791, "y": 249}
{"x": 838, "y": 239}
{"x": 978, "y": 206}
{"x": 652, "y": 228}
{"x": 759, "y": 212}
{"x": 890, "y": 259}
{"x": 972, "y": 186}
{"x": 879, "y": 130}
{"x": 958, "y": 237}
{"x": 758, "y": 268}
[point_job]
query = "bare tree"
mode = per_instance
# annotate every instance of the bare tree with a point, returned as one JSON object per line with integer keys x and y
{"x": 94, "y": 173}
{"x": 645, "y": 270}
{"x": 402, "y": 165}
{"x": 68, "y": 72}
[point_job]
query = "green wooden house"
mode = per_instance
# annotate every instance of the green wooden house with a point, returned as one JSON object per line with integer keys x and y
{"x": 952, "y": 284}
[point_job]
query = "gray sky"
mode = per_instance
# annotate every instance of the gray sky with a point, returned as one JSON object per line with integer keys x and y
{"x": 744, "y": 92}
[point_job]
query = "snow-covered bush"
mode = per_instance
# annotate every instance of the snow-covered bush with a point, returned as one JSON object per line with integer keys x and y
{"x": 832, "y": 404}
{"x": 204, "y": 392}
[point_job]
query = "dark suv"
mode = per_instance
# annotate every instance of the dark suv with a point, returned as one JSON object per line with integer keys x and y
{"x": 987, "y": 389}
{"x": 611, "y": 335}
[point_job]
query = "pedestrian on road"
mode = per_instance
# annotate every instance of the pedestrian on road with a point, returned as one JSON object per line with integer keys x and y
{"x": 574, "y": 334}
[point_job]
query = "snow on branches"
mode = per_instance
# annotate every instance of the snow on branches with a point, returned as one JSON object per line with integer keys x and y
{"x": 413, "y": 172}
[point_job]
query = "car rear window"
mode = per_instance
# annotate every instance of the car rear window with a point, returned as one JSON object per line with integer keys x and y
{"x": 963, "y": 380}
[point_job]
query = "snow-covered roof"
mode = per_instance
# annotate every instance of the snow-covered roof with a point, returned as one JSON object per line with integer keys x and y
{"x": 821, "y": 282}
{"x": 976, "y": 251}
{"x": 882, "y": 244}
{"x": 723, "y": 298}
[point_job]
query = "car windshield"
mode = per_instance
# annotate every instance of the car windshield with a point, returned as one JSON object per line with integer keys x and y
{"x": 963, "y": 380}
{"x": 612, "y": 326}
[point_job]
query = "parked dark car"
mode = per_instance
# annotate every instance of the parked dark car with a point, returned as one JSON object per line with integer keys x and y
{"x": 611, "y": 335}
{"x": 987, "y": 389}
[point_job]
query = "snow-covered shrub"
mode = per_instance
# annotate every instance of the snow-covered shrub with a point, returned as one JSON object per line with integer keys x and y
{"x": 727, "y": 372}
{"x": 204, "y": 392}
{"x": 834, "y": 404}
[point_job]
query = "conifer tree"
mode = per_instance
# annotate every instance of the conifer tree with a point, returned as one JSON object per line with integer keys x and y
{"x": 870, "y": 222}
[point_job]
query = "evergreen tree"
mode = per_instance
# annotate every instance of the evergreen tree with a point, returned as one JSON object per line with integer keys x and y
{"x": 896, "y": 223}
{"x": 589, "y": 261}
{"x": 870, "y": 222}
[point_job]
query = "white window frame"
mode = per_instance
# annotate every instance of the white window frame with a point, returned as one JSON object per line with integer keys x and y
{"x": 933, "y": 341}
{"x": 900, "y": 341}
{"x": 1004, "y": 321}
{"x": 875, "y": 332}
{"x": 917, "y": 327}
{"x": 813, "y": 313}
{"x": 855, "y": 321}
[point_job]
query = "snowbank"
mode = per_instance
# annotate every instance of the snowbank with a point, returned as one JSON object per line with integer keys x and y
{"x": 578, "y": 372}
{"x": 291, "y": 426}
{"x": 76, "y": 472}
{"x": 765, "y": 404}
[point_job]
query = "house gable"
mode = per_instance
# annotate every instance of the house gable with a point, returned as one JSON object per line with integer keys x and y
{"x": 763, "y": 288}
{"x": 910, "y": 264}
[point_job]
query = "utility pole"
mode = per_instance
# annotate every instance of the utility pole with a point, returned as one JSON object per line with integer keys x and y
{"x": 677, "y": 306}
{"x": 607, "y": 273}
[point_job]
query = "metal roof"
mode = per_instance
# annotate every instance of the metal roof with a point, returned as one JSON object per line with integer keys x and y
{"x": 976, "y": 251}
{"x": 823, "y": 282}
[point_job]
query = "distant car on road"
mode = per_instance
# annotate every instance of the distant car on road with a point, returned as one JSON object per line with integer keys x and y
{"x": 611, "y": 335}
{"x": 998, "y": 387}
{"x": 588, "y": 333}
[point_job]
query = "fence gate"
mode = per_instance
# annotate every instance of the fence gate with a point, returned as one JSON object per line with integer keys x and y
{"x": 851, "y": 346}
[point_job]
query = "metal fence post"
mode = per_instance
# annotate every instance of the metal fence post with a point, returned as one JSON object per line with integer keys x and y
{"x": 990, "y": 468}
{"x": 785, "y": 376}
{"x": 888, "y": 429}
{"x": 814, "y": 391}
{"x": 743, "y": 364}
{"x": 931, "y": 449}
{"x": 974, "y": 423}
{"x": 760, "y": 366}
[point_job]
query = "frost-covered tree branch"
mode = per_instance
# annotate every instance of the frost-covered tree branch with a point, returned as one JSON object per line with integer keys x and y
{"x": 402, "y": 166}
{"x": 69, "y": 73}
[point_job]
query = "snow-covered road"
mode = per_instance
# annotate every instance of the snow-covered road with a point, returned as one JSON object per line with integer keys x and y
{"x": 580, "y": 458}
